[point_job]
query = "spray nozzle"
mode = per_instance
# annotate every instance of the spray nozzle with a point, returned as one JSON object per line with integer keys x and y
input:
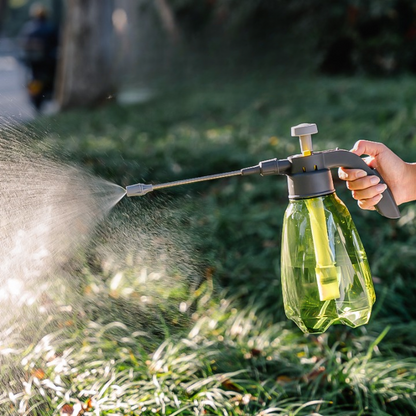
{"x": 139, "y": 189}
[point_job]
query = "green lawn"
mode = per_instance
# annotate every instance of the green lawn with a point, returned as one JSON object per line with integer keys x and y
{"x": 176, "y": 301}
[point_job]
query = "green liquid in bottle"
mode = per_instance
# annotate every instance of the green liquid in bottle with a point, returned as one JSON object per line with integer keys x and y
{"x": 344, "y": 294}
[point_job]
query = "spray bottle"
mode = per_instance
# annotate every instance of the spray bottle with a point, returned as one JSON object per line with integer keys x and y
{"x": 326, "y": 277}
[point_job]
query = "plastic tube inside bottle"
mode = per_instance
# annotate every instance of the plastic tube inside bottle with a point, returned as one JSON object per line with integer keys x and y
{"x": 326, "y": 271}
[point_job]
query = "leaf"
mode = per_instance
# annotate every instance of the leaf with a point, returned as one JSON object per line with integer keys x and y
{"x": 229, "y": 385}
{"x": 314, "y": 374}
{"x": 38, "y": 373}
{"x": 88, "y": 404}
{"x": 282, "y": 380}
{"x": 255, "y": 352}
{"x": 77, "y": 410}
{"x": 67, "y": 410}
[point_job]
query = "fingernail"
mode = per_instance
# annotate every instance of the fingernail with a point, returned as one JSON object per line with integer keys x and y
{"x": 381, "y": 188}
{"x": 361, "y": 174}
{"x": 374, "y": 180}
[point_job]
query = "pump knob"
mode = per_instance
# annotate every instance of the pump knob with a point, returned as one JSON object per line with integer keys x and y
{"x": 305, "y": 131}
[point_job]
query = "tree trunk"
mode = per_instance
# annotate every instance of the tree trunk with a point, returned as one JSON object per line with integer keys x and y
{"x": 85, "y": 76}
{"x": 3, "y": 8}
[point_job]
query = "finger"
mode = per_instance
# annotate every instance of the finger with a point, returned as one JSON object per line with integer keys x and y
{"x": 351, "y": 174}
{"x": 363, "y": 183}
{"x": 369, "y": 204}
{"x": 369, "y": 192}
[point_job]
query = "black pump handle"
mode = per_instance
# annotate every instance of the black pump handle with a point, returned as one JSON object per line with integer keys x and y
{"x": 345, "y": 159}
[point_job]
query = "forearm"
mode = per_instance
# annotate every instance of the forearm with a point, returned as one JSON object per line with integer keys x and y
{"x": 406, "y": 189}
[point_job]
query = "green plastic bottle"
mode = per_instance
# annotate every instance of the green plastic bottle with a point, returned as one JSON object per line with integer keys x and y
{"x": 326, "y": 277}
{"x": 325, "y": 274}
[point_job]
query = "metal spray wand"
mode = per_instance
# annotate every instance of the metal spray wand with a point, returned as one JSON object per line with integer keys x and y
{"x": 267, "y": 167}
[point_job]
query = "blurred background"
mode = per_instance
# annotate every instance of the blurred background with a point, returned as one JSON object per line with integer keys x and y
{"x": 127, "y": 49}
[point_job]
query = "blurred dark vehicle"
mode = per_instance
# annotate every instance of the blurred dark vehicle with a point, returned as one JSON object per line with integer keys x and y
{"x": 39, "y": 42}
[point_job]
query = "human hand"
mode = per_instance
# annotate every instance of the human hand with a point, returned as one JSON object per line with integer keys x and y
{"x": 398, "y": 175}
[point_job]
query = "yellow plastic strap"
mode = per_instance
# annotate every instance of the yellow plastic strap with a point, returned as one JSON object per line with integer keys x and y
{"x": 326, "y": 271}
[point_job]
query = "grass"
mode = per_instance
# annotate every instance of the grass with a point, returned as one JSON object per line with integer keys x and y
{"x": 176, "y": 305}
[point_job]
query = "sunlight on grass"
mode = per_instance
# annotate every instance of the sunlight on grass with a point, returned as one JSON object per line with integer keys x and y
{"x": 175, "y": 307}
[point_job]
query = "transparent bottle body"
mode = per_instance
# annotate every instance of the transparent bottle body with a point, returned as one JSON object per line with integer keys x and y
{"x": 302, "y": 285}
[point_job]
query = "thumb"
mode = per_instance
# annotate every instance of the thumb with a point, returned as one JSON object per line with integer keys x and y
{"x": 365, "y": 147}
